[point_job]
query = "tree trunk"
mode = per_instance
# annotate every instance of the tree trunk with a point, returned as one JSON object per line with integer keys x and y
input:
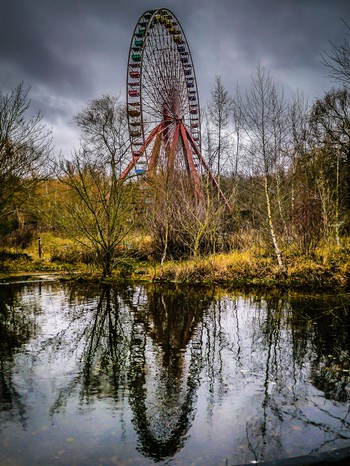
{"x": 270, "y": 221}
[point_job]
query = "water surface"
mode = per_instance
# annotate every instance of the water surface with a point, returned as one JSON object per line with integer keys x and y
{"x": 140, "y": 375}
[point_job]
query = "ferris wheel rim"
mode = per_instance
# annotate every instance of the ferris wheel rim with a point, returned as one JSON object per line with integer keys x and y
{"x": 135, "y": 70}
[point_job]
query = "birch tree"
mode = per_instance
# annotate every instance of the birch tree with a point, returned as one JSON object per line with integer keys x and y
{"x": 263, "y": 112}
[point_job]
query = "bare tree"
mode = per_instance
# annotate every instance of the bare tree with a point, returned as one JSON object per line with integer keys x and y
{"x": 207, "y": 139}
{"x": 98, "y": 211}
{"x": 220, "y": 110}
{"x": 238, "y": 131}
{"x": 299, "y": 136}
{"x": 337, "y": 60}
{"x": 264, "y": 112}
{"x": 179, "y": 224}
{"x": 25, "y": 144}
{"x": 198, "y": 224}
{"x": 330, "y": 123}
{"x": 156, "y": 216}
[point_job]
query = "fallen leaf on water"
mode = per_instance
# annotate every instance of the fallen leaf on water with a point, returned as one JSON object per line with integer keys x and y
{"x": 69, "y": 439}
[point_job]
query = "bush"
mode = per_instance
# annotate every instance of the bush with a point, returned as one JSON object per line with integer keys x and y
{"x": 10, "y": 261}
{"x": 72, "y": 255}
{"x": 19, "y": 238}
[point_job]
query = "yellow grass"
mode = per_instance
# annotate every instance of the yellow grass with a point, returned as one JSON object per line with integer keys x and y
{"x": 327, "y": 267}
{"x": 50, "y": 243}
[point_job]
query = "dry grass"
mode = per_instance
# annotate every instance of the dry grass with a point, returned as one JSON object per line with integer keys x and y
{"x": 246, "y": 268}
{"x": 236, "y": 266}
{"x": 328, "y": 267}
{"x": 51, "y": 243}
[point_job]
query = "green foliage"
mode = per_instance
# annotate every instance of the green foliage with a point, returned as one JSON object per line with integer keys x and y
{"x": 10, "y": 261}
{"x": 125, "y": 269}
{"x": 72, "y": 255}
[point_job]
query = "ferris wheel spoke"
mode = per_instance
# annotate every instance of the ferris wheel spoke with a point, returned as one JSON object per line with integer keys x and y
{"x": 162, "y": 97}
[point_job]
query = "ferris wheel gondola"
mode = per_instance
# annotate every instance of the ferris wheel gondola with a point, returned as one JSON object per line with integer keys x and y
{"x": 162, "y": 101}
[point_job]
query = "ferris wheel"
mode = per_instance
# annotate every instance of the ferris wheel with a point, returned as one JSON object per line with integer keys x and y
{"x": 162, "y": 102}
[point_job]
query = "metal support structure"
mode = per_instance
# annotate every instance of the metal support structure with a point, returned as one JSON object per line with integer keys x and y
{"x": 163, "y": 103}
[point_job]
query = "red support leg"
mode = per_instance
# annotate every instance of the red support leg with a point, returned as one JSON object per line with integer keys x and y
{"x": 203, "y": 162}
{"x": 190, "y": 161}
{"x": 141, "y": 151}
{"x": 170, "y": 164}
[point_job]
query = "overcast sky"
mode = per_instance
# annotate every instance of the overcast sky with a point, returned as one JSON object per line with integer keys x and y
{"x": 71, "y": 51}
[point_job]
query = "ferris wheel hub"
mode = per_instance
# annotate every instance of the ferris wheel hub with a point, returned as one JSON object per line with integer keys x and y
{"x": 162, "y": 101}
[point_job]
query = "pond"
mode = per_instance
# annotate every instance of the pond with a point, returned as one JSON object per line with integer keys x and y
{"x": 155, "y": 374}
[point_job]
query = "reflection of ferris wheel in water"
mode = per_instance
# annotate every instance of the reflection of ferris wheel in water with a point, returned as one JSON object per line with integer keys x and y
{"x": 162, "y": 101}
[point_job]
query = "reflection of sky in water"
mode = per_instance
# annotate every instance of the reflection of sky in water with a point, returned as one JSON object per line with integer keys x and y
{"x": 226, "y": 380}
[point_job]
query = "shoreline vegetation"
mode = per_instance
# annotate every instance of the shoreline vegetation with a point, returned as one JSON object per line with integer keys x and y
{"x": 281, "y": 166}
{"x": 326, "y": 269}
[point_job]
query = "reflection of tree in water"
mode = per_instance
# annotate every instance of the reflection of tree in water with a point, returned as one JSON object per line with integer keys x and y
{"x": 98, "y": 330}
{"x": 331, "y": 342}
{"x": 281, "y": 375}
{"x": 156, "y": 344}
{"x": 166, "y": 362}
{"x": 17, "y": 327}
{"x": 288, "y": 324}
{"x": 144, "y": 339}
{"x": 106, "y": 348}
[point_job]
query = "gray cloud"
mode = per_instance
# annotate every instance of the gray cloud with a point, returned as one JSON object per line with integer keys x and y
{"x": 70, "y": 52}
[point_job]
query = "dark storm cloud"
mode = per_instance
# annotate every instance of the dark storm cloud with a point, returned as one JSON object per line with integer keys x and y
{"x": 29, "y": 44}
{"x": 285, "y": 36}
{"x": 68, "y": 52}
{"x": 71, "y": 51}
